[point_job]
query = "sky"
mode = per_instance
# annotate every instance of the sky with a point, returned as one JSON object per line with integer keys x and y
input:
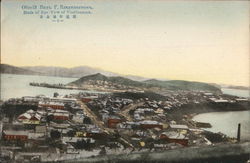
{"x": 206, "y": 41}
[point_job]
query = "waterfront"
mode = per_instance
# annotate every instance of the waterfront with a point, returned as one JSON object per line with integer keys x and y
{"x": 13, "y": 86}
{"x": 16, "y": 86}
{"x": 102, "y": 123}
{"x": 227, "y": 122}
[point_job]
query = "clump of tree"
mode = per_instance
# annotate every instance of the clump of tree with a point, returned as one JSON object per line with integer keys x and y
{"x": 86, "y": 120}
{"x": 83, "y": 144}
{"x": 54, "y": 134}
{"x": 71, "y": 133}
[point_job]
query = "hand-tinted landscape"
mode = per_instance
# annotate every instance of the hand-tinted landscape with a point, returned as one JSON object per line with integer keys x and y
{"x": 124, "y": 81}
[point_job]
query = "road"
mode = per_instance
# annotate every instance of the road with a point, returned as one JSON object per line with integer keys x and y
{"x": 91, "y": 115}
{"x": 126, "y": 109}
{"x": 99, "y": 123}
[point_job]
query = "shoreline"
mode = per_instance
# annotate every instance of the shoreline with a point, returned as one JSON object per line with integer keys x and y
{"x": 194, "y": 109}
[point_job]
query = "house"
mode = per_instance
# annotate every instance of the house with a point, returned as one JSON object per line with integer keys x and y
{"x": 219, "y": 101}
{"x": 147, "y": 124}
{"x": 112, "y": 121}
{"x": 174, "y": 137}
{"x": 178, "y": 127}
{"x": 60, "y": 115}
{"x": 53, "y": 105}
{"x": 88, "y": 98}
{"x": 24, "y": 116}
{"x": 15, "y": 135}
{"x": 35, "y": 117}
{"x": 30, "y": 117}
{"x": 63, "y": 100}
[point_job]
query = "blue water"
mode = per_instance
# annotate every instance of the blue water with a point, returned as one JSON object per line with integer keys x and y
{"x": 227, "y": 122}
{"x": 14, "y": 86}
{"x": 236, "y": 92}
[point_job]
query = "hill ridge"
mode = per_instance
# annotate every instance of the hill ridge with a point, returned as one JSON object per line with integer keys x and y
{"x": 102, "y": 80}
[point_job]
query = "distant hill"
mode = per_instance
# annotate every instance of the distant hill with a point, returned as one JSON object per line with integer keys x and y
{"x": 105, "y": 80}
{"x": 100, "y": 80}
{"x": 136, "y": 78}
{"x": 8, "y": 69}
{"x": 68, "y": 72}
{"x": 94, "y": 76}
{"x": 183, "y": 85}
{"x": 75, "y": 72}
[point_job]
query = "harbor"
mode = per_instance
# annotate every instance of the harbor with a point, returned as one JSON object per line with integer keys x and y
{"x": 93, "y": 126}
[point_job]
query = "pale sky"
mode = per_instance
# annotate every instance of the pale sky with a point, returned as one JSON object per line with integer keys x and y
{"x": 194, "y": 40}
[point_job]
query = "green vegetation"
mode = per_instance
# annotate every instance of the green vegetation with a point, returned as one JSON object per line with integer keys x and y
{"x": 115, "y": 80}
{"x": 183, "y": 85}
{"x": 148, "y": 84}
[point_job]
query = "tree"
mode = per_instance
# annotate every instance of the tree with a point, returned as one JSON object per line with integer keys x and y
{"x": 49, "y": 118}
{"x": 54, "y": 134}
{"x": 56, "y": 94}
{"x": 71, "y": 133}
{"x": 80, "y": 144}
{"x": 87, "y": 120}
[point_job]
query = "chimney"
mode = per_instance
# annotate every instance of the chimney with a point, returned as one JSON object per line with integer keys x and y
{"x": 238, "y": 133}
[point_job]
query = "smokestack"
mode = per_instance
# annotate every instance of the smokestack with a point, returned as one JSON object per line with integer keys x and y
{"x": 238, "y": 133}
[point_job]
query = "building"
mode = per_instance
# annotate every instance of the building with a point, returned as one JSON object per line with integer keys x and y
{"x": 30, "y": 117}
{"x": 10, "y": 135}
{"x": 60, "y": 116}
{"x": 218, "y": 101}
{"x": 178, "y": 127}
{"x": 53, "y": 105}
{"x": 150, "y": 124}
{"x": 96, "y": 134}
{"x": 30, "y": 99}
{"x": 174, "y": 137}
{"x": 24, "y": 116}
{"x": 88, "y": 98}
{"x": 112, "y": 121}
{"x": 63, "y": 100}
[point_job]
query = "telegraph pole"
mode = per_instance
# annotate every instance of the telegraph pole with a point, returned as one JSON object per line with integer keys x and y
{"x": 238, "y": 133}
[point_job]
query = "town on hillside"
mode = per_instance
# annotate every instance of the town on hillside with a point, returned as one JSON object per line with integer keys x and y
{"x": 86, "y": 125}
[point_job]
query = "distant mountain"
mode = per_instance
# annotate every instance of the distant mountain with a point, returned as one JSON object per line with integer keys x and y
{"x": 75, "y": 72}
{"x": 8, "y": 69}
{"x": 99, "y": 80}
{"x": 68, "y": 72}
{"x": 94, "y": 76}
